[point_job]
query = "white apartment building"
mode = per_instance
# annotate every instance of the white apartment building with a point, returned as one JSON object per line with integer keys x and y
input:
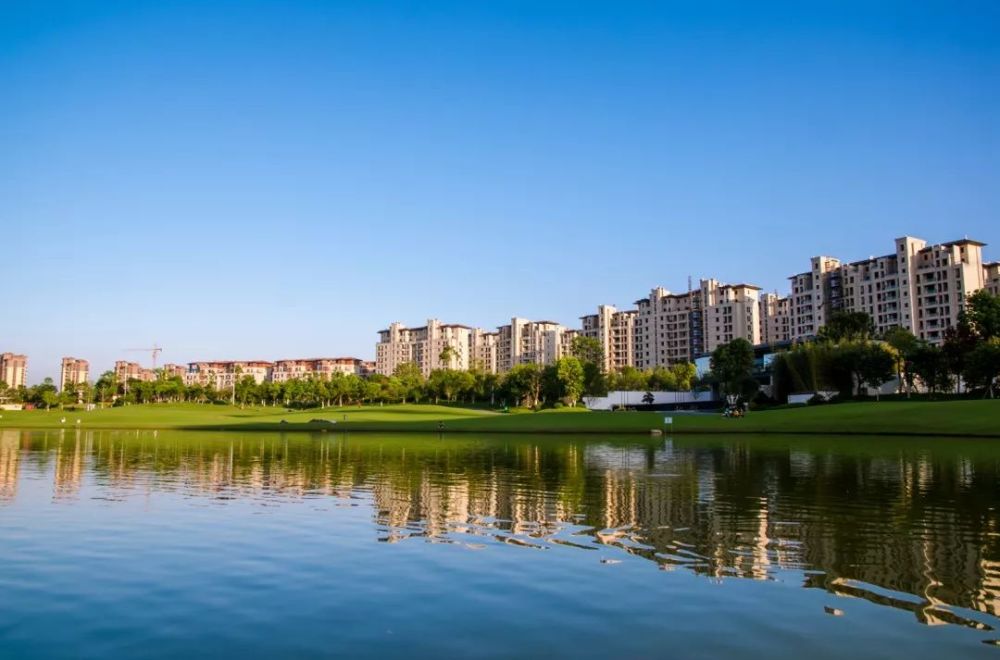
{"x": 672, "y": 328}
{"x": 13, "y": 370}
{"x": 991, "y": 273}
{"x": 423, "y": 346}
{"x": 615, "y": 330}
{"x": 775, "y": 319}
{"x": 73, "y": 371}
{"x": 224, "y": 375}
{"x": 919, "y": 287}
{"x": 525, "y": 342}
{"x": 316, "y": 368}
{"x": 483, "y": 350}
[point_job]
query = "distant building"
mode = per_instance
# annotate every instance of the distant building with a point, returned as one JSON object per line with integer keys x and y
{"x": 318, "y": 368}
{"x": 223, "y": 375}
{"x": 174, "y": 371}
{"x": 483, "y": 350}
{"x": 531, "y": 342}
{"x": 14, "y": 370}
{"x": 615, "y": 330}
{"x": 678, "y": 327}
{"x": 775, "y": 319}
{"x": 126, "y": 371}
{"x": 423, "y": 346}
{"x": 919, "y": 287}
{"x": 74, "y": 371}
{"x": 991, "y": 272}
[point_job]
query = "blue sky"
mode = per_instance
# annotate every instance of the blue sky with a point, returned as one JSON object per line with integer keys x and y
{"x": 279, "y": 179}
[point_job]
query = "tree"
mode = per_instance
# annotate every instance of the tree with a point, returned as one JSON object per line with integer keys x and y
{"x": 245, "y": 390}
{"x": 447, "y": 354}
{"x": 929, "y": 364}
{"x": 732, "y": 366}
{"x": 523, "y": 383}
{"x": 629, "y": 378}
{"x": 848, "y": 326}
{"x": 983, "y": 368}
{"x": 648, "y": 398}
{"x": 411, "y": 380}
{"x": 569, "y": 373}
{"x": 982, "y": 313}
{"x": 903, "y": 342}
{"x": 875, "y": 366}
{"x": 587, "y": 350}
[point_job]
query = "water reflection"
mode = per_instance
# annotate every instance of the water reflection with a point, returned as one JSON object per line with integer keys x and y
{"x": 908, "y": 524}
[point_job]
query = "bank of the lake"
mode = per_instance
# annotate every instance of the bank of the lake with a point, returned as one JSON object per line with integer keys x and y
{"x": 912, "y": 418}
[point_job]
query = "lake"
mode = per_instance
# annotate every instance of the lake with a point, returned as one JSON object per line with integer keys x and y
{"x": 179, "y": 544}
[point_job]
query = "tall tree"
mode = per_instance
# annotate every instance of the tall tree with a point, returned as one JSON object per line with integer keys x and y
{"x": 848, "y": 326}
{"x": 732, "y": 366}
{"x": 569, "y": 372}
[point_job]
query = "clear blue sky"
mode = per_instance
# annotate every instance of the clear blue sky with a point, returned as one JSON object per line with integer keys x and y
{"x": 280, "y": 179}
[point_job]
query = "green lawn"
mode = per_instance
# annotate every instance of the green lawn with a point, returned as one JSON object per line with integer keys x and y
{"x": 963, "y": 418}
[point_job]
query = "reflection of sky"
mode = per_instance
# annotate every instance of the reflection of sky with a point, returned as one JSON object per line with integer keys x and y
{"x": 186, "y": 522}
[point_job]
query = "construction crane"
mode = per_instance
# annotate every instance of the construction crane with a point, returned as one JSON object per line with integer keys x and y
{"x": 154, "y": 351}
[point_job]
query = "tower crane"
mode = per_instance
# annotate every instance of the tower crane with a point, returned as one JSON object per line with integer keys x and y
{"x": 154, "y": 351}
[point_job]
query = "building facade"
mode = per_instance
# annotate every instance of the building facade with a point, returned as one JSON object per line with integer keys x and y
{"x": 126, "y": 371}
{"x": 678, "y": 327}
{"x": 74, "y": 371}
{"x": 483, "y": 350}
{"x": 775, "y": 318}
{"x": 614, "y": 329}
{"x": 14, "y": 370}
{"x": 223, "y": 375}
{"x": 315, "y": 368}
{"x": 433, "y": 346}
{"x": 918, "y": 286}
{"x": 531, "y": 342}
{"x": 991, "y": 273}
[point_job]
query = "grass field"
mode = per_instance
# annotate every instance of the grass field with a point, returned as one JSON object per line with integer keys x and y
{"x": 954, "y": 418}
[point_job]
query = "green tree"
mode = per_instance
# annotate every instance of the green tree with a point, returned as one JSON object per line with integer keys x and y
{"x": 245, "y": 390}
{"x": 629, "y": 378}
{"x": 447, "y": 355}
{"x": 848, "y": 326}
{"x": 929, "y": 363}
{"x": 876, "y": 366}
{"x": 982, "y": 313}
{"x": 523, "y": 383}
{"x": 587, "y": 350}
{"x": 732, "y": 366}
{"x": 983, "y": 368}
{"x": 411, "y": 380}
{"x": 569, "y": 374}
{"x": 903, "y": 342}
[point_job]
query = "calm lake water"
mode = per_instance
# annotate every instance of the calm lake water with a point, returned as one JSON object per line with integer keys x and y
{"x": 143, "y": 544}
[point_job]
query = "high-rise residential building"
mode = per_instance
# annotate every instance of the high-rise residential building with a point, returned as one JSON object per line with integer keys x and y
{"x": 531, "y": 342}
{"x": 483, "y": 350}
{"x": 775, "y": 318}
{"x": 991, "y": 273}
{"x": 73, "y": 372}
{"x": 433, "y": 346}
{"x": 919, "y": 287}
{"x": 679, "y": 327}
{"x": 126, "y": 371}
{"x": 317, "y": 368}
{"x": 815, "y": 295}
{"x": 14, "y": 370}
{"x": 615, "y": 330}
{"x": 224, "y": 374}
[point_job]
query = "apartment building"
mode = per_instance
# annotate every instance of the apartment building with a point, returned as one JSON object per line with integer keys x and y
{"x": 815, "y": 295}
{"x": 223, "y": 375}
{"x": 14, "y": 370}
{"x": 531, "y": 342}
{"x": 678, "y": 327}
{"x": 126, "y": 371}
{"x": 174, "y": 371}
{"x": 775, "y": 318}
{"x": 615, "y": 330}
{"x": 918, "y": 286}
{"x": 991, "y": 273}
{"x": 73, "y": 371}
{"x": 423, "y": 346}
{"x": 318, "y": 368}
{"x": 483, "y": 350}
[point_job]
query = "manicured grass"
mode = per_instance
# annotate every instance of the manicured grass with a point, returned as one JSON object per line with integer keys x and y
{"x": 956, "y": 418}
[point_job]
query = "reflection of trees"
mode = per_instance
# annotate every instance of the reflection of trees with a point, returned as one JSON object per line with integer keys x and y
{"x": 918, "y": 520}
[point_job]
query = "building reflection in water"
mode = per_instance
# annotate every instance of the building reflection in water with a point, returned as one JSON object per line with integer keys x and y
{"x": 909, "y": 524}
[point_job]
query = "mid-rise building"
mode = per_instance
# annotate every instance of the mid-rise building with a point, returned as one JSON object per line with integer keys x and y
{"x": 992, "y": 276}
{"x": 775, "y": 318}
{"x": 678, "y": 327}
{"x": 14, "y": 370}
{"x": 315, "y": 368}
{"x": 919, "y": 287}
{"x": 126, "y": 371}
{"x": 433, "y": 346}
{"x": 615, "y": 330}
{"x": 531, "y": 342}
{"x": 174, "y": 371}
{"x": 223, "y": 375}
{"x": 74, "y": 371}
{"x": 483, "y": 350}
